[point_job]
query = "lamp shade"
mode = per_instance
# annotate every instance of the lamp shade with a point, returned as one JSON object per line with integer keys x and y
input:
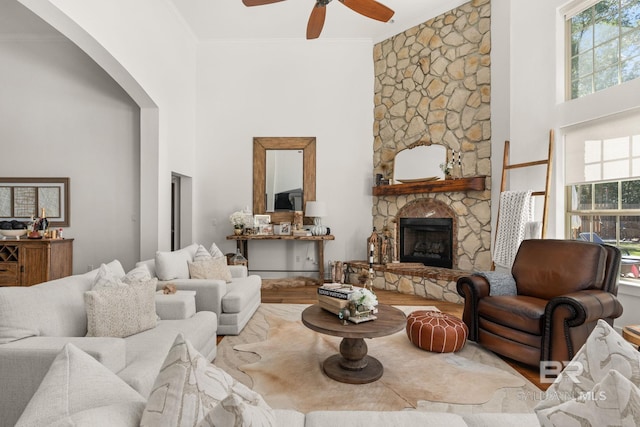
{"x": 316, "y": 209}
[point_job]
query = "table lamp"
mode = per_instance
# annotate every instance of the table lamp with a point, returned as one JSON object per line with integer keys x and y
{"x": 317, "y": 210}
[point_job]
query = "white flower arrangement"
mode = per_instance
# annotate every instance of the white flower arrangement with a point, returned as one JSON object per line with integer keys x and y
{"x": 447, "y": 167}
{"x": 365, "y": 298}
{"x": 238, "y": 219}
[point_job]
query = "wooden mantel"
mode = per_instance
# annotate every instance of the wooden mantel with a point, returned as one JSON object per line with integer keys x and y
{"x": 475, "y": 183}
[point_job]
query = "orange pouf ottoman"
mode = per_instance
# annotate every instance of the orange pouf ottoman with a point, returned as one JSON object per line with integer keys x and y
{"x": 436, "y": 331}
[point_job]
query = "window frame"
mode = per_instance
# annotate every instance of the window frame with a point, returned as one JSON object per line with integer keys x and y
{"x": 574, "y": 9}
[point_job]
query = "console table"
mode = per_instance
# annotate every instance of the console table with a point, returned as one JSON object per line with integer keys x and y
{"x": 242, "y": 243}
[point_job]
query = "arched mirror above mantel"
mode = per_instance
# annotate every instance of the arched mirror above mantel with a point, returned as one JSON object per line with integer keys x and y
{"x": 284, "y": 175}
{"x": 420, "y": 162}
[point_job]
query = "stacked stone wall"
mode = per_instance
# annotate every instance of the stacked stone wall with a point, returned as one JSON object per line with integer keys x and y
{"x": 433, "y": 86}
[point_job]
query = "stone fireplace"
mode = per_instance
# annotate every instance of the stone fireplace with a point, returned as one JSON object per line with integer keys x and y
{"x": 433, "y": 86}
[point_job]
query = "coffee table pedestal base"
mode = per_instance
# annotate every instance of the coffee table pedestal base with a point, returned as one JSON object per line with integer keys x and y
{"x": 353, "y": 365}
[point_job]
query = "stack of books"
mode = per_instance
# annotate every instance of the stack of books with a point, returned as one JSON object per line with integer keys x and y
{"x": 333, "y": 297}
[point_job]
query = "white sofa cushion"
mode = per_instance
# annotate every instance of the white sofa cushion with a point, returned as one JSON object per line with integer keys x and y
{"x": 383, "y": 418}
{"x": 121, "y": 311}
{"x": 147, "y": 350}
{"x": 239, "y": 296}
{"x": 174, "y": 265}
{"x": 59, "y": 305}
{"x": 188, "y": 389}
{"x": 78, "y": 390}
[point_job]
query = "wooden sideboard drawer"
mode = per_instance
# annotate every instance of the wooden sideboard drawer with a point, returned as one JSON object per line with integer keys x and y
{"x": 8, "y": 273}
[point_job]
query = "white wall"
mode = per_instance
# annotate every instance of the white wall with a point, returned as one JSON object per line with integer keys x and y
{"x": 148, "y": 49}
{"x": 286, "y": 88}
{"x": 536, "y": 104}
{"x": 61, "y": 115}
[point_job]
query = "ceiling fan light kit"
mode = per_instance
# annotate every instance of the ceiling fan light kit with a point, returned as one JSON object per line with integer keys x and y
{"x": 369, "y": 8}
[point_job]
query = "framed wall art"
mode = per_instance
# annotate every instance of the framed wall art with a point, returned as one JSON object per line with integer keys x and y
{"x": 24, "y": 198}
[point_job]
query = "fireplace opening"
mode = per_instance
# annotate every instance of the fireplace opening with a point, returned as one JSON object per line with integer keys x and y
{"x": 427, "y": 240}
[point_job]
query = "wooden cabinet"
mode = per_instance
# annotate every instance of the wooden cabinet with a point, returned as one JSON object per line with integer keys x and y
{"x": 29, "y": 262}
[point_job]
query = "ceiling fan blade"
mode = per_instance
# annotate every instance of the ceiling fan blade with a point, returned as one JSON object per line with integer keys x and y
{"x": 370, "y": 8}
{"x": 258, "y": 2}
{"x": 316, "y": 21}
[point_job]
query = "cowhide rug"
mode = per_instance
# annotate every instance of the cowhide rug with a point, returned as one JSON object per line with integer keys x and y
{"x": 282, "y": 360}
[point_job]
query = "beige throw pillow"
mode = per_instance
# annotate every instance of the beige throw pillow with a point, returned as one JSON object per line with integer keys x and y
{"x": 78, "y": 390}
{"x": 121, "y": 311}
{"x": 212, "y": 268}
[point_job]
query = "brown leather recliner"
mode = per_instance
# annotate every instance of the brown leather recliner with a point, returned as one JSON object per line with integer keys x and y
{"x": 562, "y": 288}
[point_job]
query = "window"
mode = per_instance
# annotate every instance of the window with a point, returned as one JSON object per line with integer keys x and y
{"x": 602, "y": 175}
{"x": 603, "y": 45}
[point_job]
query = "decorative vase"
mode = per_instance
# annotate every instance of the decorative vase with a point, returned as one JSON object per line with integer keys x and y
{"x": 238, "y": 259}
{"x": 237, "y": 231}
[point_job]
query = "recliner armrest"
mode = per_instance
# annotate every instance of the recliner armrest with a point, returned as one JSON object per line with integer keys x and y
{"x": 586, "y": 306}
{"x": 570, "y": 318}
{"x": 472, "y": 289}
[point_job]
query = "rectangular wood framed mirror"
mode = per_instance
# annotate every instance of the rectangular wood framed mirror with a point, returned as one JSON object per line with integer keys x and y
{"x": 287, "y": 191}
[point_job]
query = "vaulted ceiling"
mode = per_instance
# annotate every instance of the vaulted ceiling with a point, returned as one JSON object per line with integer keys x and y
{"x": 231, "y": 19}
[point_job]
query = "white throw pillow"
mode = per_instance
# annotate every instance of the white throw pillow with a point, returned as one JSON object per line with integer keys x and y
{"x": 106, "y": 278}
{"x": 612, "y": 402}
{"x": 202, "y": 254}
{"x": 173, "y": 265}
{"x": 242, "y": 408}
{"x": 212, "y": 268}
{"x": 604, "y": 351}
{"x": 188, "y": 388}
{"x": 215, "y": 251}
{"x": 137, "y": 275}
{"x": 79, "y": 390}
{"x": 121, "y": 311}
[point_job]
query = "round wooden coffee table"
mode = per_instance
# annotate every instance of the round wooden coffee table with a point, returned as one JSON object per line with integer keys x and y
{"x": 353, "y": 365}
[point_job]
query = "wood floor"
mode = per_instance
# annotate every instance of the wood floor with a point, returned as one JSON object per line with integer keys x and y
{"x": 307, "y": 295}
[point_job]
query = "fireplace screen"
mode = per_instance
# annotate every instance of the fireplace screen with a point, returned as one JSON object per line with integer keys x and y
{"x": 427, "y": 240}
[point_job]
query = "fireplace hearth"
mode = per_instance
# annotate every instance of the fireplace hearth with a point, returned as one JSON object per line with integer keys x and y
{"x": 427, "y": 240}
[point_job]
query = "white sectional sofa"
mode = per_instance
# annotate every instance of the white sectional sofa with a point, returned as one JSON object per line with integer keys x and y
{"x": 234, "y": 302}
{"x": 36, "y": 322}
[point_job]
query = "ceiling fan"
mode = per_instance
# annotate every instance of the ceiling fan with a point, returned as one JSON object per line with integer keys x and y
{"x": 369, "y": 8}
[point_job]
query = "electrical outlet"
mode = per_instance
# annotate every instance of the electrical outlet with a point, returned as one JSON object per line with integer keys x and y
{"x": 297, "y": 258}
{"x": 90, "y": 267}
{"x": 214, "y": 222}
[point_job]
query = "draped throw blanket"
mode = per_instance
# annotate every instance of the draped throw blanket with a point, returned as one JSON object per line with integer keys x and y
{"x": 516, "y": 211}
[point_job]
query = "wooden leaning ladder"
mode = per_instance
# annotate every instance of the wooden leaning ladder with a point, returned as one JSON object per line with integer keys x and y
{"x": 548, "y": 161}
